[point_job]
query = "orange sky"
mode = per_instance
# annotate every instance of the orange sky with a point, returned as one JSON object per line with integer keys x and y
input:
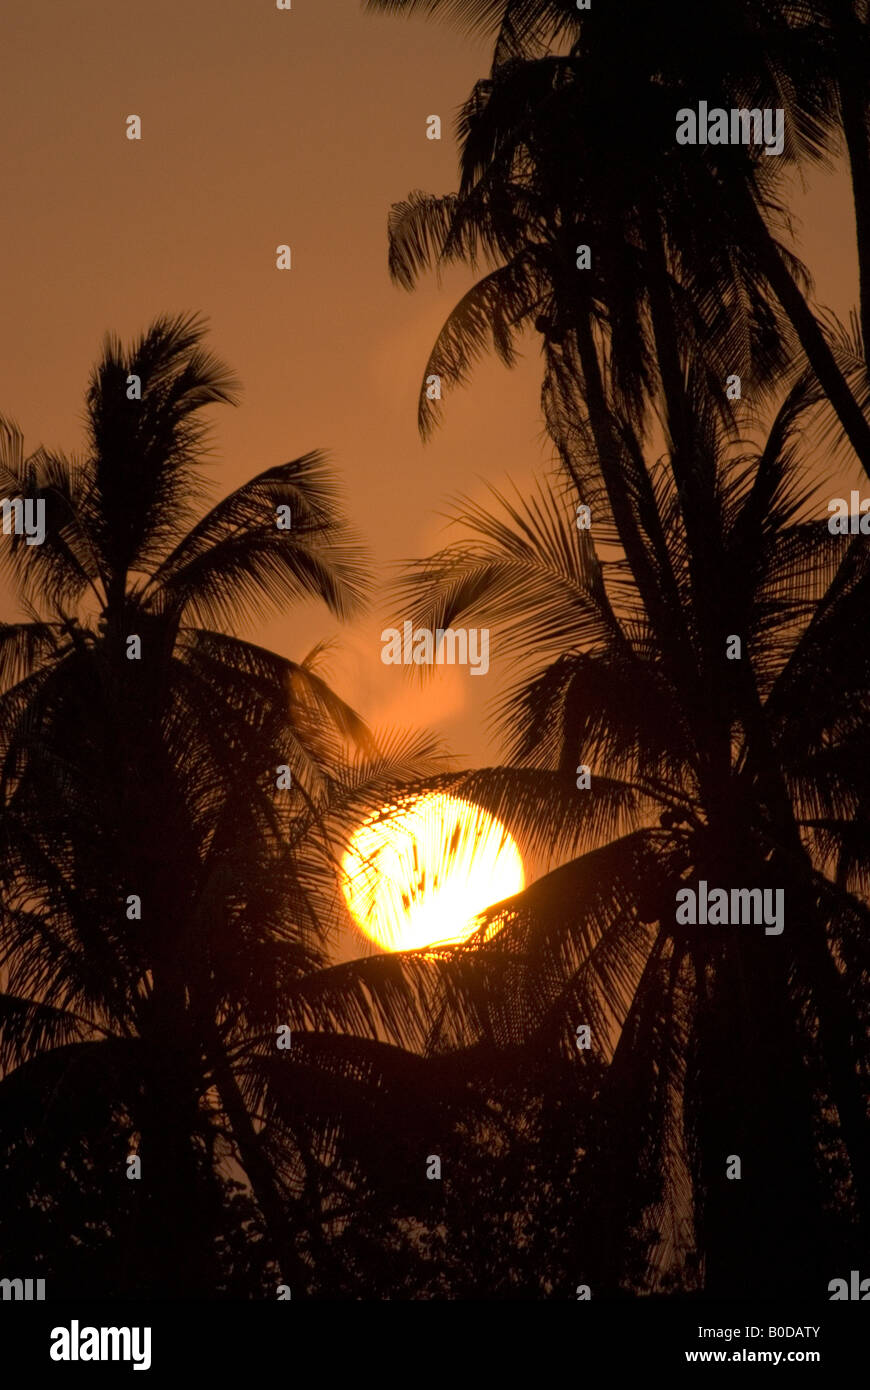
{"x": 262, "y": 127}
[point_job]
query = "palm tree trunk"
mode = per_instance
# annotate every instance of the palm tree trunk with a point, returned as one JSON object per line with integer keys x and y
{"x": 697, "y": 493}
{"x": 702, "y": 531}
{"x": 694, "y": 477}
{"x": 819, "y": 968}
{"x": 664, "y": 616}
{"x": 812, "y": 339}
{"x": 749, "y": 1095}
{"x": 180, "y": 1208}
{"x": 259, "y": 1170}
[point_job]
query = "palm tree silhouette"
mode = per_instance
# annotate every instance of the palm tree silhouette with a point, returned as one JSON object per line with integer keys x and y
{"x": 678, "y": 241}
{"x": 695, "y": 229}
{"x": 167, "y": 898}
{"x": 720, "y": 1044}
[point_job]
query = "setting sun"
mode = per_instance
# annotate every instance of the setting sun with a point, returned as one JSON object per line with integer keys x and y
{"x": 421, "y": 873}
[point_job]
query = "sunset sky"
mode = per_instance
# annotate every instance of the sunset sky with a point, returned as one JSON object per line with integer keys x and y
{"x": 263, "y": 127}
{"x": 279, "y": 1023}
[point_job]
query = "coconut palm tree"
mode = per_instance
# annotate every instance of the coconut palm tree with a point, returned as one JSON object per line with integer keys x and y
{"x": 678, "y": 205}
{"x": 720, "y": 1042}
{"x": 174, "y": 799}
{"x": 642, "y": 330}
{"x": 616, "y": 328}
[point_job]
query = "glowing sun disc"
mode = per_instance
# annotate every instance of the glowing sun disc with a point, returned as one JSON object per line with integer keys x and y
{"x": 420, "y": 874}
